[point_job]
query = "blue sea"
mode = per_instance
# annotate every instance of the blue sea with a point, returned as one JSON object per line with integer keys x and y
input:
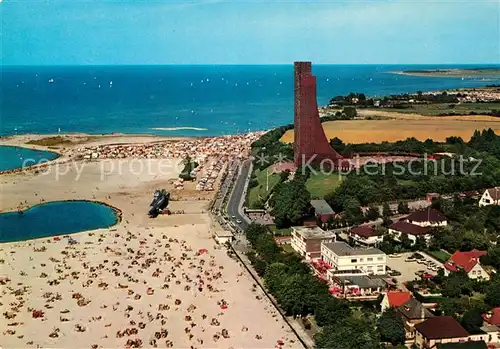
{"x": 185, "y": 100}
{"x": 55, "y": 218}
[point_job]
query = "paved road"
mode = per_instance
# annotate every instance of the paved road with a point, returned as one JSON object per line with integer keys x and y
{"x": 225, "y": 186}
{"x": 237, "y": 196}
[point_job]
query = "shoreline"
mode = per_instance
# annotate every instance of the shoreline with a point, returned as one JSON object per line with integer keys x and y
{"x": 31, "y": 147}
{"x": 453, "y": 73}
{"x": 116, "y": 212}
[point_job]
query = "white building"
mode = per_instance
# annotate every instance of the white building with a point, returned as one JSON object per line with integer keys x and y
{"x": 490, "y": 197}
{"x": 223, "y": 236}
{"x": 428, "y": 217}
{"x": 411, "y": 230}
{"x": 344, "y": 257}
{"x": 366, "y": 235}
{"x": 307, "y": 240}
{"x": 417, "y": 224}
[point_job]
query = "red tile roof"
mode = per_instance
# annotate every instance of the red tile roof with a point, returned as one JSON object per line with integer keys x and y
{"x": 494, "y": 193}
{"x": 464, "y": 260}
{"x": 365, "y": 231}
{"x": 426, "y": 215}
{"x": 408, "y": 228}
{"x": 493, "y": 318}
{"x": 441, "y": 327}
{"x": 398, "y": 298}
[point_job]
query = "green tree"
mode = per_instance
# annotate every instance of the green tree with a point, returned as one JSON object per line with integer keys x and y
{"x": 350, "y": 334}
{"x": 472, "y": 321}
{"x": 291, "y": 202}
{"x": 372, "y": 213}
{"x": 493, "y": 293}
{"x": 420, "y": 243}
{"x": 386, "y": 210}
{"x": 275, "y": 276}
{"x": 403, "y": 208}
{"x": 456, "y": 284}
{"x": 332, "y": 312}
{"x": 350, "y": 112}
{"x": 337, "y": 144}
{"x": 406, "y": 243}
{"x": 391, "y": 327}
{"x": 353, "y": 212}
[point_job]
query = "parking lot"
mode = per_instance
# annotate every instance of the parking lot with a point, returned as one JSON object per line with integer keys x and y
{"x": 407, "y": 269}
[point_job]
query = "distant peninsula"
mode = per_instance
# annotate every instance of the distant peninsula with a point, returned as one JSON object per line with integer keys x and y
{"x": 453, "y": 73}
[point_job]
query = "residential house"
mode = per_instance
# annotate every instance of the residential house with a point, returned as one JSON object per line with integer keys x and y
{"x": 413, "y": 313}
{"x": 366, "y": 235}
{"x": 418, "y": 223}
{"x": 394, "y": 299}
{"x": 468, "y": 262}
{"x": 490, "y": 197}
{"x": 344, "y": 257}
{"x": 307, "y": 240}
{"x": 322, "y": 210}
{"x": 427, "y": 217}
{"x": 413, "y": 231}
{"x": 439, "y": 330}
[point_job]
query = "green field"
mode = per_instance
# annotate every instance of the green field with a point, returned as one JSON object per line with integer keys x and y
{"x": 256, "y": 193}
{"x": 440, "y": 255}
{"x": 320, "y": 184}
{"x": 444, "y": 108}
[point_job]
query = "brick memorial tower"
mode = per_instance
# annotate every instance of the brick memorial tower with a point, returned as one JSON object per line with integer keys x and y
{"x": 309, "y": 138}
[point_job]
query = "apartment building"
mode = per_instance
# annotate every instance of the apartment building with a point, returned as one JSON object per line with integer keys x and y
{"x": 307, "y": 240}
{"x": 344, "y": 257}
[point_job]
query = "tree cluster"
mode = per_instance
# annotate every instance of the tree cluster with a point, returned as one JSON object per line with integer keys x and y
{"x": 291, "y": 201}
{"x": 470, "y": 227}
{"x": 411, "y": 180}
{"x": 269, "y": 147}
{"x": 459, "y": 301}
{"x": 404, "y": 100}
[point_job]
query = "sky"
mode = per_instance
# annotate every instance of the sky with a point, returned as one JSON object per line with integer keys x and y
{"x": 94, "y": 32}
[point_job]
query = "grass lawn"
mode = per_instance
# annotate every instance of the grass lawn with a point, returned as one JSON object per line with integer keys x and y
{"x": 260, "y": 190}
{"x": 440, "y": 255}
{"x": 320, "y": 184}
{"x": 287, "y": 248}
{"x": 280, "y": 232}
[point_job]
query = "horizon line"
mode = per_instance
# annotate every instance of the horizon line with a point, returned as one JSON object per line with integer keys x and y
{"x": 232, "y": 64}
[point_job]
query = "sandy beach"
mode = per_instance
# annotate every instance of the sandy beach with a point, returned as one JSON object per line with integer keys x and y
{"x": 145, "y": 282}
